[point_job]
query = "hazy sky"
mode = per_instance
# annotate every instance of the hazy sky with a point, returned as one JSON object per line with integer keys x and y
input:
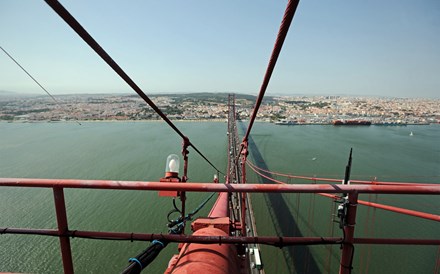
{"x": 389, "y": 48}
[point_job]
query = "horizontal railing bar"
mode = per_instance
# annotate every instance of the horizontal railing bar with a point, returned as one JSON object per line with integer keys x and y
{"x": 400, "y": 210}
{"x": 270, "y": 240}
{"x": 211, "y": 187}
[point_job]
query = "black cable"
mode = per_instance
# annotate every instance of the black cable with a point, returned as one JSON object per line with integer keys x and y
{"x": 197, "y": 209}
{"x": 171, "y": 222}
{"x": 138, "y": 263}
{"x": 176, "y": 226}
{"x": 15, "y": 61}
{"x": 351, "y": 259}
{"x": 175, "y": 206}
{"x": 141, "y": 261}
{"x": 206, "y": 159}
{"x": 76, "y": 26}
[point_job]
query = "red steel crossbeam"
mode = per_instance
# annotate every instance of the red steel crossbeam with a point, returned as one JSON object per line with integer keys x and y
{"x": 64, "y": 233}
{"x": 244, "y": 154}
{"x": 210, "y": 187}
{"x": 347, "y": 245}
{"x": 414, "y": 213}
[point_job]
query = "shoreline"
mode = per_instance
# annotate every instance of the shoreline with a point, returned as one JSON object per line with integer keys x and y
{"x": 204, "y": 121}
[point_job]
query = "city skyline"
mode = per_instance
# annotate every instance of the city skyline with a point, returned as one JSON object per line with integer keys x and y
{"x": 355, "y": 49}
{"x": 301, "y": 110}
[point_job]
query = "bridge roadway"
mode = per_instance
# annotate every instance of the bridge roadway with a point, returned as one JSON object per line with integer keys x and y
{"x": 237, "y": 201}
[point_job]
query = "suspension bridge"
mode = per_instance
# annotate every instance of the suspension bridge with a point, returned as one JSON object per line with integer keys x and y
{"x": 227, "y": 237}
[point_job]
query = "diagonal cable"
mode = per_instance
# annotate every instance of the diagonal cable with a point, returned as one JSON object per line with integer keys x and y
{"x": 38, "y": 83}
{"x": 282, "y": 33}
{"x": 76, "y": 26}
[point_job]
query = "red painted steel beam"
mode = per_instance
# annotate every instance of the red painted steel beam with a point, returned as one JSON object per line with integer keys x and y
{"x": 243, "y": 195}
{"x": 271, "y": 240}
{"x": 403, "y": 211}
{"x": 414, "y": 213}
{"x": 211, "y": 187}
{"x": 347, "y": 247}
{"x": 221, "y": 207}
{"x": 60, "y": 209}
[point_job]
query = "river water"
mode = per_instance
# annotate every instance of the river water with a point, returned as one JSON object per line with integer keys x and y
{"x": 138, "y": 150}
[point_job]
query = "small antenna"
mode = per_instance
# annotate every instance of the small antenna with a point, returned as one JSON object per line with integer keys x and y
{"x": 348, "y": 168}
{"x": 53, "y": 98}
{"x": 348, "y": 171}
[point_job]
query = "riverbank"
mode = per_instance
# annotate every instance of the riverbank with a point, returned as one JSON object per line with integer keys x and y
{"x": 204, "y": 121}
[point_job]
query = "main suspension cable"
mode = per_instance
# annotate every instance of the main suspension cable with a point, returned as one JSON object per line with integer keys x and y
{"x": 282, "y": 33}
{"x": 76, "y": 26}
{"x": 35, "y": 80}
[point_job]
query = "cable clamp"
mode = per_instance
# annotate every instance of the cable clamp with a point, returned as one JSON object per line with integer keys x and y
{"x": 131, "y": 260}
{"x": 280, "y": 244}
{"x": 158, "y": 242}
{"x": 347, "y": 267}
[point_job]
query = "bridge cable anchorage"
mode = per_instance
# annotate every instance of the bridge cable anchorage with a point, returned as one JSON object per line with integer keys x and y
{"x": 76, "y": 26}
{"x": 282, "y": 33}
{"x": 38, "y": 83}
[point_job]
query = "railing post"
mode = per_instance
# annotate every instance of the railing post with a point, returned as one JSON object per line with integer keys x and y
{"x": 243, "y": 194}
{"x": 60, "y": 209}
{"x": 347, "y": 246}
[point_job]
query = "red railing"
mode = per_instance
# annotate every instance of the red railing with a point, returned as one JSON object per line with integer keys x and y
{"x": 64, "y": 233}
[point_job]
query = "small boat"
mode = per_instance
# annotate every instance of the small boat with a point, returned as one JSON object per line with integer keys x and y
{"x": 286, "y": 123}
{"x": 411, "y": 134}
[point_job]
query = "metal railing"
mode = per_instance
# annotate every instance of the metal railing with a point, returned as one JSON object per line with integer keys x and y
{"x": 64, "y": 233}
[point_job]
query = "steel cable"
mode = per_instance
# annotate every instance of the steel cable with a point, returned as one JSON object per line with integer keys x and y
{"x": 76, "y": 26}
{"x": 35, "y": 80}
{"x": 282, "y": 33}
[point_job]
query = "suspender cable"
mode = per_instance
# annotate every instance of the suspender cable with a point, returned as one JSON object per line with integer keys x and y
{"x": 282, "y": 33}
{"x": 76, "y": 26}
{"x": 45, "y": 90}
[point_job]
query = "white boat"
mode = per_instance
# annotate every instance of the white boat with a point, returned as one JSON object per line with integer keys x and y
{"x": 286, "y": 123}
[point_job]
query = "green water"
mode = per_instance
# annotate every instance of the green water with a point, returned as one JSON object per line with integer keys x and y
{"x": 137, "y": 151}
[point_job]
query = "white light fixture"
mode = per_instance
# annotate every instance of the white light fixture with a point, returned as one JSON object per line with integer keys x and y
{"x": 172, "y": 166}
